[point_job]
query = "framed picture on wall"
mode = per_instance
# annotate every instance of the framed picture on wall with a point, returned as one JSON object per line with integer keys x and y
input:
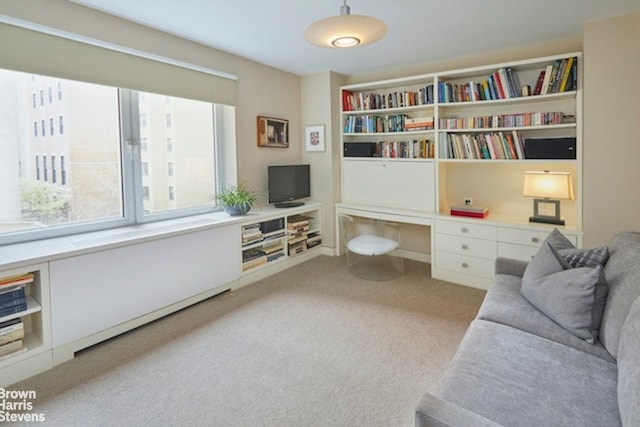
{"x": 314, "y": 138}
{"x": 273, "y": 132}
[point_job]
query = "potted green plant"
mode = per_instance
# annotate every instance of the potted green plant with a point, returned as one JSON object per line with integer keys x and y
{"x": 237, "y": 199}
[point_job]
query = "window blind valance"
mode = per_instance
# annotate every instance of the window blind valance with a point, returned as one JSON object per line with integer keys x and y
{"x": 67, "y": 56}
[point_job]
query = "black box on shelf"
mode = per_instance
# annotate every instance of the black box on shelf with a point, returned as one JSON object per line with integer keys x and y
{"x": 272, "y": 225}
{"x": 550, "y": 148}
{"x": 359, "y": 149}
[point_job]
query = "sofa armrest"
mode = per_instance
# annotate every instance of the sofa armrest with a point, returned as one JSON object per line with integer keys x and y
{"x": 514, "y": 267}
{"x": 435, "y": 412}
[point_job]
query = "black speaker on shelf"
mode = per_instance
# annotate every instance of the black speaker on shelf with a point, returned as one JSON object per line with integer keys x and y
{"x": 550, "y": 148}
{"x": 359, "y": 149}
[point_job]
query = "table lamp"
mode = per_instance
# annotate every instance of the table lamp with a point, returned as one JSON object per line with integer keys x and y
{"x": 547, "y": 188}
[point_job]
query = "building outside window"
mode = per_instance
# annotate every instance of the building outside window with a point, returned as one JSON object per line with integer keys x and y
{"x": 99, "y": 189}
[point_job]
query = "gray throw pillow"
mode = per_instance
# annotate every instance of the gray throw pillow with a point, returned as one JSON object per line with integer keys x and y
{"x": 574, "y": 257}
{"x": 564, "y": 295}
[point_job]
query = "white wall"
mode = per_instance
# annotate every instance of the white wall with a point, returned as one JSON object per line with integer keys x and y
{"x": 611, "y": 128}
{"x": 319, "y": 106}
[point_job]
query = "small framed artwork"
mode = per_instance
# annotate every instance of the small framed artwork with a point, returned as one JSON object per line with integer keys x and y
{"x": 273, "y": 132}
{"x": 314, "y": 138}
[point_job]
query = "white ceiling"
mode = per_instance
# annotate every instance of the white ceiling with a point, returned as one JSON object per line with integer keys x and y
{"x": 419, "y": 31}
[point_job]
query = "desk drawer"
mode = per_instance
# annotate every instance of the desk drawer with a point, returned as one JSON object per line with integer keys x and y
{"x": 465, "y": 228}
{"x": 521, "y": 252}
{"x": 527, "y": 237}
{"x": 465, "y": 264}
{"x": 464, "y": 245}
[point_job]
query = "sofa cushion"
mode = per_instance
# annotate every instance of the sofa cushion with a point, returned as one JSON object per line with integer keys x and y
{"x": 575, "y": 257}
{"x": 518, "y": 379}
{"x": 566, "y": 296}
{"x": 623, "y": 277}
{"x": 629, "y": 367}
{"x": 505, "y": 304}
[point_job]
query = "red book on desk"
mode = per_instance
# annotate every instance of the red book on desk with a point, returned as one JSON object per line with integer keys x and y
{"x": 472, "y": 212}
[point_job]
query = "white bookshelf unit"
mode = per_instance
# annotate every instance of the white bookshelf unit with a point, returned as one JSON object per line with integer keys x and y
{"x": 35, "y": 354}
{"x": 428, "y": 142}
{"x": 276, "y": 238}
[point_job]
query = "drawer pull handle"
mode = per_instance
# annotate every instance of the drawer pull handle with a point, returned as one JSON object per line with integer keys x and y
{"x": 464, "y": 230}
{"x": 465, "y": 247}
{"x": 465, "y": 265}
{"x": 535, "y": 239}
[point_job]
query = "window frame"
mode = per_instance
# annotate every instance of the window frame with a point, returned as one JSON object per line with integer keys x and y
{"x": 133, "y": 194}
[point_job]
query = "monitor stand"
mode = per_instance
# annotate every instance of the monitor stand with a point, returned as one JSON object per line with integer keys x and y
{"x": 288, "y": 204}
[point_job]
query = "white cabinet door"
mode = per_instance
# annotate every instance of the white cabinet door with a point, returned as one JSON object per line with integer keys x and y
{"x": 397, "y": 184}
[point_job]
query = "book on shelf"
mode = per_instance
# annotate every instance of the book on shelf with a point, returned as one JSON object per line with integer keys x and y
{"x": 12, "y": 331}
{"x": 469, "y": 211}
{"x": 297, "y": 238}
{"x": 18, "y": 279}
{"x": 313, "y": 240}
{"x": 251, "y": 254}
{"x": 295, "y": 220}
{"x": 545, "y": 82}
{"x": 297, "y": 249}
{"x": 273, "y": 235}
{"x": 11, "y": 347}
{"x": 538, "y": 86}
{"x": 12, "y": 292}
{"x": 418, "y": 123}
{"x": 13, "y": 302}
{"x": 564, "y": 86}
{"x": 13, "y": 309}
{"x": 269, "y": 249}
{"x": 246, "y": 265}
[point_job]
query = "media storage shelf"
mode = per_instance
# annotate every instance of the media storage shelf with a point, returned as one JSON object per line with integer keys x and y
{"x": 24, "y": 330}
{"x": 278, "y": 235}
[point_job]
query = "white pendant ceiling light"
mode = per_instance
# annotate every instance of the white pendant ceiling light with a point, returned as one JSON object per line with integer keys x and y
{"x": 345, "y": 30}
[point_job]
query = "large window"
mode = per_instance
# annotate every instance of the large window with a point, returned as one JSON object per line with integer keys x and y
{"x": 106, "y": 180}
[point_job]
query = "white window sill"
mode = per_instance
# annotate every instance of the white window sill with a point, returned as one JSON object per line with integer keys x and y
{"x": 16, "y": 255}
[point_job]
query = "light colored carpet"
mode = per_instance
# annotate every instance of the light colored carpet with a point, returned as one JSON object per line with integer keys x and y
{"x": 311, "y": 346}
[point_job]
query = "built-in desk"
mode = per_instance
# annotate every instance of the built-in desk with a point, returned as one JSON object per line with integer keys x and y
{"x": 402, "y": 216}
{"x": 464, "y": 250}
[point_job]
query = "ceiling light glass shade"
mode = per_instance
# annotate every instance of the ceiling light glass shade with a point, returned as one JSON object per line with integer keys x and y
{"x": 336, "y": 30}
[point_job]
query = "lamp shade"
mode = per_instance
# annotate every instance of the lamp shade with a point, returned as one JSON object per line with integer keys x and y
{"x": 345, "y": 31}
{"x": 552, "y": 185}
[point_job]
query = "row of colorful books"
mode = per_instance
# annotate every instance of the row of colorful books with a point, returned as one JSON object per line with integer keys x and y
{"x": 361, "y": 101}
{"x": 495, "y": 146}
{"x": 416, "y": 149}
{"x": 504, "y": 83}
{"x": 388, "y": 123}
{"x": 13, "y": 300}
{"x": 507, "y": 120}
{"x": 561, "y": 76}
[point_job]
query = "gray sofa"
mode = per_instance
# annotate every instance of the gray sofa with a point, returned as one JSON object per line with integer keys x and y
{"x": 517, "y": 367}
